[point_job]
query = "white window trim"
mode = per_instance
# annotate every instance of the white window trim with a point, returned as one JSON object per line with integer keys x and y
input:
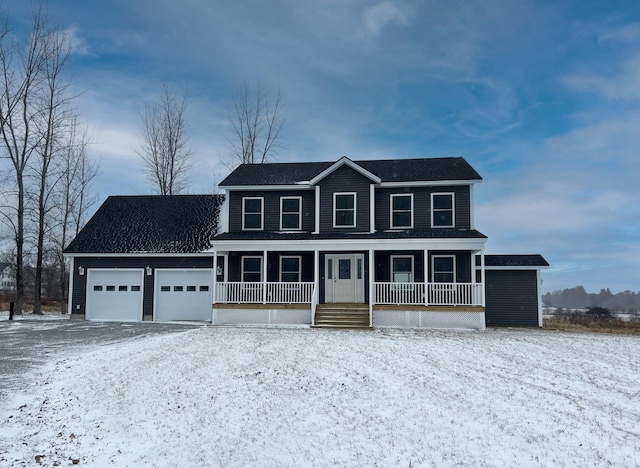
{"x": 242, "y": 268}
{"x": 391, "y": 210}
{"x": 413, "y": 278}
{"x": 261, "y": 213}
{"x": 299, "y": 198}
{"x": 299, "y": 257}
{"x": 433, "y": 259}
{"x": 453, "y": 209}
{"x": 355, "y": 205}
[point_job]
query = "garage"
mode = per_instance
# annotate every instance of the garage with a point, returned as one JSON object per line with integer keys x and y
{"x": 114, "y": 295}
{"x": 183, "y": 295}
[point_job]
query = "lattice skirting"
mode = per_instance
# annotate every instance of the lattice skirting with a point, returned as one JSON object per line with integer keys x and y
{"x": 430, "y": 319}
{"x": 261, "y": 317}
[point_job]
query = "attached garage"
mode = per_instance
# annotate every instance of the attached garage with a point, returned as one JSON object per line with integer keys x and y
{"x": 183, "y": 295}
{"x": 512, "y": 290}
{"x": 114, "y": 295}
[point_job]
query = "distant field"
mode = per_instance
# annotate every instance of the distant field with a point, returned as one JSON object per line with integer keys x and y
{"x": 300, "y": 397}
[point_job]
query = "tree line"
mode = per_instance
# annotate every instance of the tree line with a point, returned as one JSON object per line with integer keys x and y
{"x": 579, "y": 298}
{"x": 46, "y": 169}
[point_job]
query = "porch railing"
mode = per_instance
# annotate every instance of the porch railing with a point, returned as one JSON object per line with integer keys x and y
{"x": 258, "y": 293}
{"x": 440, "y": 294}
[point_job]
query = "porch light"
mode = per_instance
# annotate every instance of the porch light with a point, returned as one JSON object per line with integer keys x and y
{"x": 149, "y": 271}
{"x": 81, "y": 271}
{"x": 219, "y": 270}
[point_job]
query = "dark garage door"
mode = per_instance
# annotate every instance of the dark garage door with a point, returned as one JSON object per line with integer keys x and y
{"x": 511, "y": 298}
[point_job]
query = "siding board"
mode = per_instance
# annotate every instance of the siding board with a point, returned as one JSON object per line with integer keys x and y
{"x": 344, "y": 179}
{"x": 511, "y": 298}
{"x": 271, "y": 208}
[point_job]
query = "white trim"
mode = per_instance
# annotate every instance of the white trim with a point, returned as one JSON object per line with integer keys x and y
{"x": 301, "y": 186}
{"x": 242, "y": 257}
{"x": 453, "y": 210}
{"x": 355, "y": 203}
{"x": 514, "y": 267}
{"x": 427, "y": 183}
{"x": 392, "y": 258}
{"x": 391, "y": 197}
{"x": 204, "y": 253}
{"x": 293, "y": 197}
{"x": 317, "y": 210}
{"x": 261, "y": 228}
{"x": 70, "y": 293}
{"x": 341, "y": 162}
{"x": 299, "y": 257}
{"x": 433, "y": 257}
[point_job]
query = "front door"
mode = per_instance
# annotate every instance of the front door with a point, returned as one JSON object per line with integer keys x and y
{"x": 344, "y": 278}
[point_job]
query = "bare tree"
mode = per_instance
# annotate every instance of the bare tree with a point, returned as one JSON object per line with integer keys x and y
{"x": 73, "y": 198}
{"x": 22, "y": 72}
{"x": 164, "y": 142}
{"x": 256, "y": 123}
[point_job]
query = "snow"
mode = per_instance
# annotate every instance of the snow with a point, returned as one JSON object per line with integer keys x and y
{"x": 262, "y": 397}
{"x": 4, "y": 315}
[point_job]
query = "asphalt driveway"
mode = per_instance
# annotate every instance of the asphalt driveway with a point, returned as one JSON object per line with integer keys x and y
{"x": 25, "y": 343}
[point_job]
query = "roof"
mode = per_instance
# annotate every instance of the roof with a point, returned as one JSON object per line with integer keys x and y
{"x": 389, "y": 170}
{"x": 150, "y": 224}
{"x": 534, "y": 261}
{"x": 403, "y": 234}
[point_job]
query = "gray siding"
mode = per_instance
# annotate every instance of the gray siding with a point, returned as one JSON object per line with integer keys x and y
{"x": 344, "y": 179}
{"x": 272, "y": 208}
{"x": 79, "y": 294}
{"x": 511, "y": 298}
{"x": 273, "y": 264}
{"x": 383, "y": 264}
{"x": 422, "y": 205}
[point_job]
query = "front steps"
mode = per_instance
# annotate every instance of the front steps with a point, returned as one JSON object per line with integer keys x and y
{"x": 342, "y": 316}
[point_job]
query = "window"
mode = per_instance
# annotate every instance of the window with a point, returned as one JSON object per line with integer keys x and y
{"x": 402, "y": 211}
{"x": 443, "y": 269}
{"x": 251, "y": 269}
{"x": 111, "y": 288}
{"x": 123, "y": 288}
{"x": 191, "y": 288}
{"x": 135, "y": 288}
{"x": 442, "y": 213}
{"x": 204, "y": 288}
{"x": 402, "y": 269}
{"x": 178, "y": 288}
{"x": 165, "y": 288}
{"x": 97, "y": 288}
{"x": 252, "y": 213}
{"x": 344, "y": 212}
{"x": 290, "y": 213}
{"x": 290, "y": 269}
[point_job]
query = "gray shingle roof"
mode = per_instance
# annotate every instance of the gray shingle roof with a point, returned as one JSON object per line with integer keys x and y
{"x": 392, "y": 170}
{"x": 533, "y": 260}
{"x": 150, "y": 224}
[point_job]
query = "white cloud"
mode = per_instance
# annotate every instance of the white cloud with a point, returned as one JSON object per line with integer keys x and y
{"x": 627, "y": 33}
{"x": 377, "y": 17}
{"x": 622, "y": 84}
{"x": 76, "y": 43}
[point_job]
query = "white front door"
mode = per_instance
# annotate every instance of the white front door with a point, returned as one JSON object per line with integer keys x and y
{"x": 344, "y": 278}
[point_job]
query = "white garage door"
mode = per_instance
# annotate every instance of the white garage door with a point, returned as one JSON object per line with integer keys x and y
{"x": 183, "y": 295}
{"x": 114, "y": 295}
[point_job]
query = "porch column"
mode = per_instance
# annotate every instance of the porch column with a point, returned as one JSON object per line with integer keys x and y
{"x": 482, "y": 279}
{"x": 315, "y": 297}
{"x": 264, "y": 276}
{"x": 70, "y": 294}
{"x": 215, "y": 275}
{"x": 372, "y": 286}
{"x": 426, "y": 277}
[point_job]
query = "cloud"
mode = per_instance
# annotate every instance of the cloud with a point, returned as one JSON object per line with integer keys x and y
{"x": 623, "y": 84}
{"x": 377, "y": 17}
{"x": 627, "y": 33}
{"x": 77, "y": 44}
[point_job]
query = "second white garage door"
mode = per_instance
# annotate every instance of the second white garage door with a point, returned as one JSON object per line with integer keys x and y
{"x": 183, "y": 295}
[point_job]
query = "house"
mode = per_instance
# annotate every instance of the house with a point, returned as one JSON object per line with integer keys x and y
{"x": 7, "y": 279}
{"x": 346, "y": 243}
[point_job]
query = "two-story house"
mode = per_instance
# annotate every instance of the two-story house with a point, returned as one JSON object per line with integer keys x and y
{"x": 344, "y": 243}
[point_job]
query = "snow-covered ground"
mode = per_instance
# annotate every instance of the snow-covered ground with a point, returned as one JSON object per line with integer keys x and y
{"x": 4, "y": 315}
{"x": 301, "y": 397}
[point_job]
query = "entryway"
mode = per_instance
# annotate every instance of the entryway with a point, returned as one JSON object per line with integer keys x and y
{"x": 344, "y": 275}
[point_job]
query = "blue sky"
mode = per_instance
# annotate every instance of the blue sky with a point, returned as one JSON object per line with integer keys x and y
{"x": 541, "y": 97}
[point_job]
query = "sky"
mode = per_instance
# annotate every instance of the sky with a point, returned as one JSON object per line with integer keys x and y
{"x": 542, "y": 98}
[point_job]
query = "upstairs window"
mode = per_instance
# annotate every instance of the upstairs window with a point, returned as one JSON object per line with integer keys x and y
{"x": 290, "y": 269}
{"x": 442, "y": 211}
{"x": 252, "y": 213}
{"x": 402, "y": 269}
{"x": 401, "y": 211}
{"x": 290, "y": 213}
{"x": 443, "y": 269}
{"x": 251, "y": 269}
{"x": 344, "y": 212}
